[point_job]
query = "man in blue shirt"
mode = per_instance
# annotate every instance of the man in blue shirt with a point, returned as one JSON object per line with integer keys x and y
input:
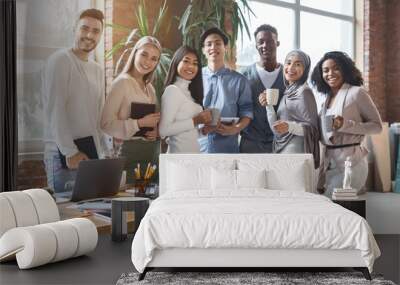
{"x": 266, "y": 73}
{"x": 226, "y": 90}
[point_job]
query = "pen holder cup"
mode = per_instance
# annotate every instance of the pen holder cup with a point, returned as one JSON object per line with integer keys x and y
{"x": 141, "y": 186}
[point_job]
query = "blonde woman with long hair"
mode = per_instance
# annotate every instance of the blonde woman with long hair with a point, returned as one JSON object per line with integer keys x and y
{"x": 133, "y": 85}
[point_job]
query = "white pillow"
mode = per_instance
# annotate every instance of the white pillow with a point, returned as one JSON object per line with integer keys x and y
{"x": 251, "y": 178}
{"x": 282, "y": 173}
{"x": 188, "y": 175}
{"x": 223, "y": 179}
{"x": 236, "y": 179}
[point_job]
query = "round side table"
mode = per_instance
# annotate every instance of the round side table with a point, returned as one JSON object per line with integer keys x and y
{"x": 119, "y": 208}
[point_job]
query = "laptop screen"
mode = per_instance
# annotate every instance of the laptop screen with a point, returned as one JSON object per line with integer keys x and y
{"x": 98, "y": 178}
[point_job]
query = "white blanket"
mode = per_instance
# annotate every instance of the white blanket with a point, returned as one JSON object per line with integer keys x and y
{"x": 255, "y": 218}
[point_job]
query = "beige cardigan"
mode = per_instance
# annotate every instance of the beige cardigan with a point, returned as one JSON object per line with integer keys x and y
{"x": 115, "y": 120}
{"x": 360, "y": 114}
{"x": 361, "y": 118}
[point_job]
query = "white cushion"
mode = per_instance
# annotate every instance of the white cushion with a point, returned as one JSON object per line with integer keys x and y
{"x": 251, "y": 178}
{"x": 33, "y": 246}
{"x": 226, "y": 179}
{"x": 26, "y": 208}
{"x": 87, "y": 235}
{"x": 23, "y": 208}
{"x": 7, "y": 218}
{"x": 187, "y": 174}
{"x": 282, "y": 173}
{"x": 223, "y": 179}
{"x": 45, "y": 205}
{"x": 41, "y": 244}
{"x": 67, "y": 240}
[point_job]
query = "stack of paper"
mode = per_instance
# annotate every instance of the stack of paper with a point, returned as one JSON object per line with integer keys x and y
{"x": 98, "y": 207}
{"x": 344, "y": 194}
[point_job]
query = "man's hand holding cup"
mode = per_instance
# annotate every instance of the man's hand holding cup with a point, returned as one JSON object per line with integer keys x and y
{"x": 269, "y": 97}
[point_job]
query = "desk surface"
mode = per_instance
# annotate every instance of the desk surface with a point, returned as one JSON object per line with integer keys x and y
{"x": 103, "y": 225}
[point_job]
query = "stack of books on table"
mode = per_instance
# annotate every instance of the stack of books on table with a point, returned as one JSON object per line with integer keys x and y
{"x": 100, "y": 207}
{"x": 344, "y": 194}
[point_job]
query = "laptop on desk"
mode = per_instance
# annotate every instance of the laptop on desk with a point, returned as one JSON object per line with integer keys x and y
{"x": 96, "y": 178}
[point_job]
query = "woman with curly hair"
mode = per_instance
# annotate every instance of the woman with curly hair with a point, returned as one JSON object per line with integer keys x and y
{"x": 347, "y": 115}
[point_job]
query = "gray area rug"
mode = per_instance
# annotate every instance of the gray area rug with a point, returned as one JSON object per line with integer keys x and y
{"x": 243, "y": 278}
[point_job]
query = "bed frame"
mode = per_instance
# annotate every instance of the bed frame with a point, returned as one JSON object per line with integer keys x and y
{"x": 243, "y": 259}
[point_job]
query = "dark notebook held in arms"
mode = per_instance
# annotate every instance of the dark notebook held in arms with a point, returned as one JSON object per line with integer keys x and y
{"x": 138, "y": 111}
{"x": 85, "y": 145}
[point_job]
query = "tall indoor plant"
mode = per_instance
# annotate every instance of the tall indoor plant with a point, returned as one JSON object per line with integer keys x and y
{"x": 133, "y": 35}
{"x": 231, "y": 16}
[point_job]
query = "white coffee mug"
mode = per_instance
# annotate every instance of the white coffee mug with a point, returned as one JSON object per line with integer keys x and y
{"x": 272, "y": 96}
{"x": 328, "y": 122}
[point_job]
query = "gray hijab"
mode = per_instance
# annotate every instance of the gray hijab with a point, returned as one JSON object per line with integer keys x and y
{"x": 292, "y": 90}
{"x": 298, "y": 105}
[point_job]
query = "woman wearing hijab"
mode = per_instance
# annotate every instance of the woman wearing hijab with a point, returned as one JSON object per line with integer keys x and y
{"x": 347, "y": 115}
{"x": 295, "y": 124}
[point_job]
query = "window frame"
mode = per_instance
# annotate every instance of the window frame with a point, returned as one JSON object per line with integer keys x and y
{"x": 298, "y": 8}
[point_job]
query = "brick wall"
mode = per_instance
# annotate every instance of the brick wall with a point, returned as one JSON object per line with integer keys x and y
{"x": 392, "y": 63}
{"x": 382, "y": 55}
{"x": 31, "y": 174}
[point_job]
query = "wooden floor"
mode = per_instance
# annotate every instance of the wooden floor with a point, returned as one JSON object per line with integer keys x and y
{"x": 102, "y": 266}
{"x": 111, "y": 259}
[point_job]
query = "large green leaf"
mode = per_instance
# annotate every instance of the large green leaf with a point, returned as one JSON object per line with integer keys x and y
{"x": 133, "y": 34}
{"x": 202, "y": 14}
{"x": 159, "y": 20}
{"x": 115, "y": 48}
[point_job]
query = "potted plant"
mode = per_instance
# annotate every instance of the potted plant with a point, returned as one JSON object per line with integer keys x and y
{"x": 231, "y": 16}
{"x": 133, "y": 35}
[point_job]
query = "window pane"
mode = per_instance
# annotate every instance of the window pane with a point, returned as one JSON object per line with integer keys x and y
{"x": 281, "y": 18}
{"x": 344, "y": 7}
{"x": 43, "y": 27}
{"x": 315, "y": 40}
{"x": 37, "y": 39}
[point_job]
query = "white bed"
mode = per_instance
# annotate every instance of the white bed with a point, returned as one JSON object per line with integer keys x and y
{"x": 248, "y": 210}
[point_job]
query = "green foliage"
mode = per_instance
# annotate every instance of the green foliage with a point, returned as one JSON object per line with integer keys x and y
{"x": 203, "y": 14}
{"x": 133, "y": 35}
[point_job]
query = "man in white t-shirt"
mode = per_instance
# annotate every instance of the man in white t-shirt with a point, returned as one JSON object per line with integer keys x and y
{"x": 264, "y": 74}
{"x": 73, "y": 90}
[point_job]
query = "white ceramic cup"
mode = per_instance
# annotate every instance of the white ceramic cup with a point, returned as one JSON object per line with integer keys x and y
{"x": 328, "y": 121}
{"x": 272, "y": 96}
{"x": 215, "y": 114}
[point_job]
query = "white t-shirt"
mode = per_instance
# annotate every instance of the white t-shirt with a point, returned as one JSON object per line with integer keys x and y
{"x": 267, "y": 78}
{"x": 73, "y": 92}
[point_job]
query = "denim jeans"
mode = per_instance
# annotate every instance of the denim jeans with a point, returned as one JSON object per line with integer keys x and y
{"x": 58, "y": 178}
